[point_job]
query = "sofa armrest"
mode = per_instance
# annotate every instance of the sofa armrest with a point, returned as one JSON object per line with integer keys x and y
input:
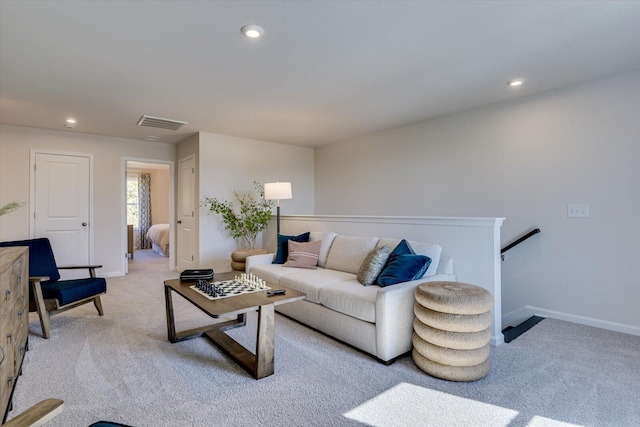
{"x": 255, "y": 260}
{"x": 445, "y": 266}
{"x": 439, "y": 278}
{"x": 394, "y": 315}
{"x": 394, "y": 319}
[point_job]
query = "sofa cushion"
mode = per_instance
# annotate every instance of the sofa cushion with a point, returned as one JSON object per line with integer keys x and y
{"x": 271, "y": 272}
{"x": 283, "y": 246}
{"x": 403, "y": 265}
{"x": 327, "y": 239}
{"x": 431, "y": 250}
{"x": 373, "y": 265}
{"x": 351, "y": 298}
{"x": 303, "y": 254}
{"x": 311, "y": 281}
{"x": 348, "y": 252}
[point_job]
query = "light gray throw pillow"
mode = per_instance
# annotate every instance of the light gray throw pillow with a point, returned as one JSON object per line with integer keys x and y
{"x": 373, "y": 265}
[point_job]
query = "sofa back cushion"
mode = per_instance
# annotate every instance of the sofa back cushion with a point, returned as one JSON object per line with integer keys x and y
{"x": 431, "y": 250}
{"x": 348, "y": 252}
{"x": 327, "y": 240}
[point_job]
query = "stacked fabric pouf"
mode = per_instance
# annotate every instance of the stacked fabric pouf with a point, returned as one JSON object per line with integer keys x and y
{"x": 452, "y": 330}
{"x": 239, "y": 258}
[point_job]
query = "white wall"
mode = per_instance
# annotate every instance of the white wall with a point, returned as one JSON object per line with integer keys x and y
{"x": 15, "y": 145}
{"x": 228, "y": 163}
{"x": 524, "y": 160}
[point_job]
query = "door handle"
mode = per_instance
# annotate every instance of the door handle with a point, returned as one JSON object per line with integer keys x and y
{"x": 84, "y": 224}
{"x": 179, "y": 221}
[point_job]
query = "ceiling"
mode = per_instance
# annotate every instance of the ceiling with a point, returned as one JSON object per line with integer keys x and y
{"x": 324, "y": 71}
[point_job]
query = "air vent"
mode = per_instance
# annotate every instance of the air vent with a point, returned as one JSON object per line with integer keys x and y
{"x": 158, "y": 122}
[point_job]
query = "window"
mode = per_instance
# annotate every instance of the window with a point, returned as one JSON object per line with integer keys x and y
{"x": 132, "y": 201}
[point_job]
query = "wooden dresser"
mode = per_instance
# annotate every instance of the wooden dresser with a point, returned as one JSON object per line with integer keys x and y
{"x": 14, "y": 319}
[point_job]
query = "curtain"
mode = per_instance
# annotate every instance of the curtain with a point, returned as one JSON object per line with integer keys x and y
{"x": 144, "y": 212}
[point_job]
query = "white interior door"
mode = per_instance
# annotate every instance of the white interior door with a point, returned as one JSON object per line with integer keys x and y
{"x": 186, "y": 214}
{"x": 62, "y": 205}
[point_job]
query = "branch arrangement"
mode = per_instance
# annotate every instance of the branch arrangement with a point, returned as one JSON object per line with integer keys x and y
{"x": 10, "y": 207}
{"x": 253, "y": 216}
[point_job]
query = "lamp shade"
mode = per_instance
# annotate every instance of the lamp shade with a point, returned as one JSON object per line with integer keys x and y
{"x": 277, "y": 190}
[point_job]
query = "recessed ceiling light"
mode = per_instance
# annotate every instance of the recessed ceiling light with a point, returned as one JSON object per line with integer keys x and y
{"x": 71, "y": 121}
{"x": 515, "y": 82}
{"x": 252, "y": 31}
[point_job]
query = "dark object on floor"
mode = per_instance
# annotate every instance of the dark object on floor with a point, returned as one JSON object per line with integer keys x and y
{"x": 108, "y": 424}
{"x": 513, "y": 332}
{"x": 48, "y": 295}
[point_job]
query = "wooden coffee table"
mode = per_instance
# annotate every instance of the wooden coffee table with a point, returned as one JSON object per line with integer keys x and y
{"x": 259, "y": 364}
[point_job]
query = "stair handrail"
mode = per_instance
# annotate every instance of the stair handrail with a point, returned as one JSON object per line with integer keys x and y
{"x": 519, "y": 240}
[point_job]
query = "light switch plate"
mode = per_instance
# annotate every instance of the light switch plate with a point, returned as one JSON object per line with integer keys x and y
{"x": 578, "y": 211}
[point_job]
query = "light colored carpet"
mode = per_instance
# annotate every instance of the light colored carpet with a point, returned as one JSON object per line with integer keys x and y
{"x": 121, "y": 367}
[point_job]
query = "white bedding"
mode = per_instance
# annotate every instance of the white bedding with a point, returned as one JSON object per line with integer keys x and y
{"x": 159, "y": 236}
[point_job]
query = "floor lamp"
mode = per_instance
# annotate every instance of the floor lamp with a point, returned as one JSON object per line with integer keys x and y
{"x": 277, "y": 191}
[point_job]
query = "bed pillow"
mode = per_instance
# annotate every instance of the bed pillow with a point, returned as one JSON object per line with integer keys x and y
{"x": 403, "y": 265}
{"x": 303, "y": 255}
{"x": 283, "y": 246}
{"x": 373, "y": 265}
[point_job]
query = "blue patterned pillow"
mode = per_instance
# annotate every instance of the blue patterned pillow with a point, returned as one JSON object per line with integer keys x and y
{"x": 283, "y": 246}
{"x": 403, "y": 265}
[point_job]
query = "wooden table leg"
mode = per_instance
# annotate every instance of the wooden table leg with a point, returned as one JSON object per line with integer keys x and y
{"x": 258, "y": 364}
{"x": 171, "y": 325}
{"x": 265, "y": 342}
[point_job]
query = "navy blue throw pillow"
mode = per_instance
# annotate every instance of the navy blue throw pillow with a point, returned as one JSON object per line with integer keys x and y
{"x": 403, "y": 265}
{"x": 283, "y": 246}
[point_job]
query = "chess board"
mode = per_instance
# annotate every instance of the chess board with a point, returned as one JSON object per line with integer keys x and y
{"x": 230, "y": 288}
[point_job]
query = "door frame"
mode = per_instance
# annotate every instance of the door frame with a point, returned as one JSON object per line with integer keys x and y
{"x": 123, "y": 211}
{"x": 196, "y": 218}
{"x": 32, "y": 190}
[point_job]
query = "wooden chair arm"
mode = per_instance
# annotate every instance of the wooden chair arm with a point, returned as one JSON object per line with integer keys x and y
{"x": 92, "y": 268}
{"x": 75, "y": 267}
{"x": 39, "y": 278}
{"x": 38, "y": 414}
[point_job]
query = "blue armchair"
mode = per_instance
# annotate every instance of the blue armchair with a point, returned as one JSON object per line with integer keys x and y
{"x": 48, "y": 295}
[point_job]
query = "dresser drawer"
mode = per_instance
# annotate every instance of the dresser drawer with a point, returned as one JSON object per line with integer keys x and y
{"x": 20, "y": 292}
{"x": 7, "y": 377}
{"x": 21, "y": 329}
{"x": 14, "y": 319}
{"x": 6, "y": 300}
{"x": 7, "y": 353}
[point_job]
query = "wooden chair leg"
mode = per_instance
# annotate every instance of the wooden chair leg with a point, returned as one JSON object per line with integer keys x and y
{"x": 98, "y": 304}
{"x": 45, "y": 322}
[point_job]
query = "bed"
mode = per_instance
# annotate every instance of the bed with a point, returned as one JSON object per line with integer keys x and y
{"x": 158, "y": 234}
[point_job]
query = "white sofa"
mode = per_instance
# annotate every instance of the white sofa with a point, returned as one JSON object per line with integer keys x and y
{"x": 377, "y": 320}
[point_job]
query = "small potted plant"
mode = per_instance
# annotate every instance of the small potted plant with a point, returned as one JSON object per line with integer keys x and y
{"x": 253, "y": 216}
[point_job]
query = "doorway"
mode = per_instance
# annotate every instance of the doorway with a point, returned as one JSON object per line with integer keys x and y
{"x": 62, "y": 204}
{"x": 148, "y": 213}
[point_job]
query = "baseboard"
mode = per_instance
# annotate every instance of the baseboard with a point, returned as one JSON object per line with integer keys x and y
{"x": 518, "y": 316}
{"x": 111, "y": 274}
{"x": 497, "y": 340}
